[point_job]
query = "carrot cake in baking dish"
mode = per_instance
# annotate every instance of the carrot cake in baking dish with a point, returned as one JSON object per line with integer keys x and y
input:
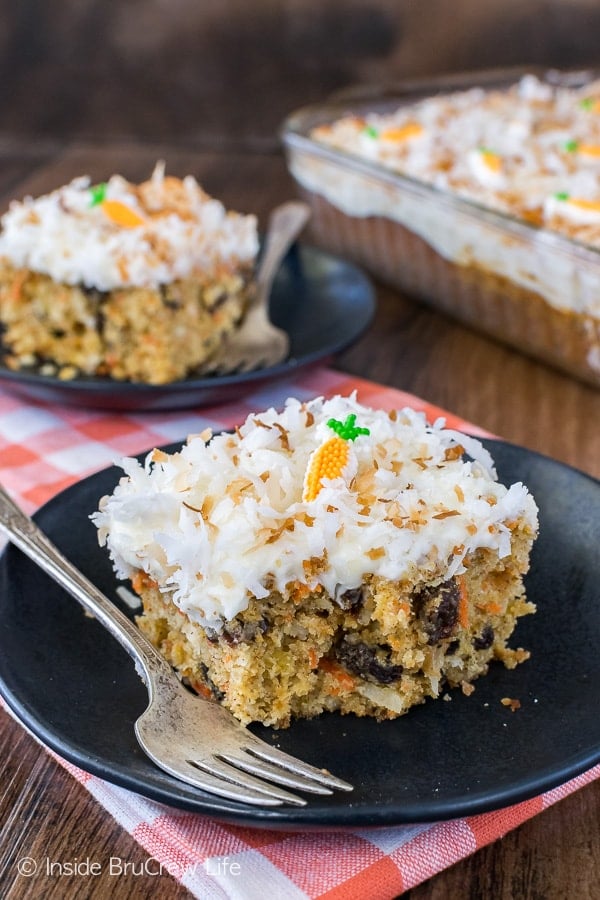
{"x": 138, "y": 282}
{"x": 532, "y": 150}
{"x": 326, "y": 557}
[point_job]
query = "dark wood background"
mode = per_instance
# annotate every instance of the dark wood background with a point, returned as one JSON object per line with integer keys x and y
{"x": 225, "y": 72}
{"x": 98, "y": 86}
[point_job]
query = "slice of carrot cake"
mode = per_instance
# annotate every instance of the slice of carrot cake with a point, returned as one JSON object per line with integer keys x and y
{"x": 327, "y": 557}
{"x": 136, "y": 282}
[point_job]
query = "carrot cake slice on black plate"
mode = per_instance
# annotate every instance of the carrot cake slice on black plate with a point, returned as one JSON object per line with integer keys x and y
{"x": 138, "y": 282}
{"x": 326, "y": 557}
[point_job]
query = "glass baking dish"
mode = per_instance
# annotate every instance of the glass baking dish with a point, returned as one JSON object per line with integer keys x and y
{"x": 532, "y": 288}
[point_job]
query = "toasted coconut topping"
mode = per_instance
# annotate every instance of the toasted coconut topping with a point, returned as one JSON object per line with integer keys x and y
{"x": 119, "y": 234}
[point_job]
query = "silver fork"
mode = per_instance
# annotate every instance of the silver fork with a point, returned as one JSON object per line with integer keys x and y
{"x": 193, "y": 739}
{"x": 257, "y": 343}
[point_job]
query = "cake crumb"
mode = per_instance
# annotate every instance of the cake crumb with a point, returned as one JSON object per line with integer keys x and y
{"x": 512, "y": 704}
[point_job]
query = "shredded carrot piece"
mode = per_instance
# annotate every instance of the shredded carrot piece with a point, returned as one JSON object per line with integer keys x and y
{"x": 313, "y": 658}
{"x": 300, "y": 591}
{"x": 344, "y": 681}
{"x": 140, "y": 581}
{"x": 121, "y": 214}
{"x": 495, "y": 609}
{"x": 201, "y": 689}
{"x": 328, "y": 461}
{"x": 17, "y": 285}
{"x": 137, "y": 582}
{"x": 463, "y": 603}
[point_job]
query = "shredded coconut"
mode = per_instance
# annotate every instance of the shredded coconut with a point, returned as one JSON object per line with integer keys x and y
{"x": 178, "y": 231}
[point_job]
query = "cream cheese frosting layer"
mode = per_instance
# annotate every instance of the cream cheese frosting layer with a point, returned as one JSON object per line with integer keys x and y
{"x": 120, "y": 234}
{"x": 219, "y": 523}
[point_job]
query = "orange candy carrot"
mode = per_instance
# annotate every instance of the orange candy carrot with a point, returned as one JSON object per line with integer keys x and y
{"x": 331, "y": 458}
{"x": 121, "y": 214}
{"x": 402, "y": 132}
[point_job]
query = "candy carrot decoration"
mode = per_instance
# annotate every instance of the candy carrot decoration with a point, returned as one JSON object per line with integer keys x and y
{"x": 121, "y": 214}
{"x": 583, "y": 149}
{"x": 590, "y": 104}
{"x": 581, "y": 202}
{"x": 370, "y": 131}
{"x": 115, "y": 210}
{"x": 331, "y": 459}
{"x": 491, "y": 159}
{"x": 402, "y": 132}
{"x": 396, "y": 134}
{"x": 98, "y": 193}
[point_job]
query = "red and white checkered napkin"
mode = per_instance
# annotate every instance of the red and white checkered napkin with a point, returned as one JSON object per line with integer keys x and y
{"x": 43, "y": 449}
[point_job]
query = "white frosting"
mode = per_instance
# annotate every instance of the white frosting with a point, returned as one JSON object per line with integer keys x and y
{"x": 529, "y": 130}
{"x": 184, "y": 233}
{"x": 219, "y": 523}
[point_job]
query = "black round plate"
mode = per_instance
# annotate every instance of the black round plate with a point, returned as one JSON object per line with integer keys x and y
{"x": 323, "y": 302}
{"x": 77, "y": 690}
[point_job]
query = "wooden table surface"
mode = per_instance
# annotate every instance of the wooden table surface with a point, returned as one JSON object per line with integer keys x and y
{"x": 44, "y": 813}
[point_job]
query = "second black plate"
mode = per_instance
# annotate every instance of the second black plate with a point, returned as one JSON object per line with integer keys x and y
{"x": 74, "y": 687}
{"x": 322, "y": 302}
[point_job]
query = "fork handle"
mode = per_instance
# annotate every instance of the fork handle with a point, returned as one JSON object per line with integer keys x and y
{"x": 285, "y": 224}
{"x": 23, "y": 532}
